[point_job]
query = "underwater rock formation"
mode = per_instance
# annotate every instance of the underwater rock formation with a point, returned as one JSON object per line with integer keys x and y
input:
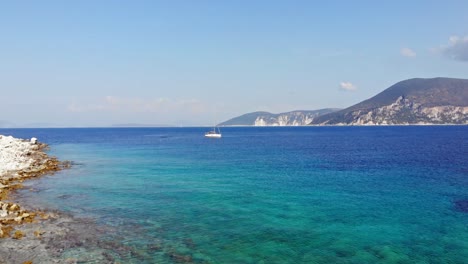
{"x": 461, "y": 205}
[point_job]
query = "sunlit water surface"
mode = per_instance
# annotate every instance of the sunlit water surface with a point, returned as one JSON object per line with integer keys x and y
{"x": 266, "y": 195}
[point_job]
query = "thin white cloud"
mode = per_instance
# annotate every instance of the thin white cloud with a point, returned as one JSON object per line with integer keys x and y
{"x": 77, "y": 108}
{"x": 407, "y": 52}
{"x": 139, "y": 105}
{"x": 347, "y": 86}
{"x": 456, "y": 49}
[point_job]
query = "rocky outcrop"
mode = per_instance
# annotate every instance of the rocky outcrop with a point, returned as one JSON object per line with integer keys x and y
{"x": 20, "y": 160}
{"x": 15, "y": 154}
{"x": 33, "y": 236}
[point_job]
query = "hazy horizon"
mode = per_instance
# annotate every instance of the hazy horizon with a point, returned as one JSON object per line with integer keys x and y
{"x": 196, "y": 63}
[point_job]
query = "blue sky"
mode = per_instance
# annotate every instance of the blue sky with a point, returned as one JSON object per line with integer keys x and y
{"x": 97, "y": 63}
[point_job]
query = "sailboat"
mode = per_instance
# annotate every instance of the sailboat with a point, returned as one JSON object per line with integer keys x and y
{"x": 215, "y": 133}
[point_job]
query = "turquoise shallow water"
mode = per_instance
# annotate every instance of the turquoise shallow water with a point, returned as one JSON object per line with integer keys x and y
{"x": 267, "y": 195}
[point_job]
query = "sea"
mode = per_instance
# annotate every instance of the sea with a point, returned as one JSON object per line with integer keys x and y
{"x": 383, "y": 194}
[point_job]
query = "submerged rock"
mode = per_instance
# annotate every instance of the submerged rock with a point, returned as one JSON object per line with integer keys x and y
{"x": 461, "y": 205}
{"x": 18, "y": 234}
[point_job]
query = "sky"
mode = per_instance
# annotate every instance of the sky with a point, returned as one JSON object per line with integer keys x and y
{"x": 200, "y": 62}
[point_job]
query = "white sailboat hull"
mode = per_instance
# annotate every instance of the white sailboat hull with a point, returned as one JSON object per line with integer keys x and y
{"x": 212, "y": 135}
{"x": 215, "y": 133}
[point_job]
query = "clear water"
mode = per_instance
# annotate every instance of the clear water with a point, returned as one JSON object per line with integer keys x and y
{"x": 267, "y": 195}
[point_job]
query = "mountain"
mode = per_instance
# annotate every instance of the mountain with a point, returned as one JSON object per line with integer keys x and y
{"x": 294, "y": 118}
{"x": 413, "y": 101}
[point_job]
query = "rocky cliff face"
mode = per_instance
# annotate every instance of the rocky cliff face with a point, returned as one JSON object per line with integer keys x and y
{"x": 403, "y": 112}
{"x": 414, "y": 101}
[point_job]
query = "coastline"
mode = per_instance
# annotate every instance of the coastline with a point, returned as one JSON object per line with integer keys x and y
{"x": 21, "y": 160}
{"x": 22, "y": 229}
{"x": 37, "y": 236}
{"x": 354, "y": 125}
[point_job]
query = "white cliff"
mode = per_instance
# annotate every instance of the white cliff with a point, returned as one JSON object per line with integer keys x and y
{"x": 296, "y": 118}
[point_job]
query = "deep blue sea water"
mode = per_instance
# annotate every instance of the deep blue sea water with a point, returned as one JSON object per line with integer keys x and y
{"x": 267, "y": 195}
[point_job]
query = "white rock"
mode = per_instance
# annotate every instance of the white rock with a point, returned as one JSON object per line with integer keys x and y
{"x": 3, "y": 213}
{"x": 13, "y": 154}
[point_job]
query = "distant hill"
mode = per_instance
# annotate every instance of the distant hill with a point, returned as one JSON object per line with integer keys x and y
{"x": 293, "y": 118}
{"x": 138, "y": 125}
{"x": 413, "y": 101}
{"x": 6, "y": 124}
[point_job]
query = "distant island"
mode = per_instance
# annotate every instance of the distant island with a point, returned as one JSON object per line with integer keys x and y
{"x": 410, "y": 102}
{"x": 139, "y": 125}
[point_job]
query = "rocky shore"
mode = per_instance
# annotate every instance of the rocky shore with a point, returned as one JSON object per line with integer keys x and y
{"x": 35, "y": 236}
{"x": 20, "y": 160}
